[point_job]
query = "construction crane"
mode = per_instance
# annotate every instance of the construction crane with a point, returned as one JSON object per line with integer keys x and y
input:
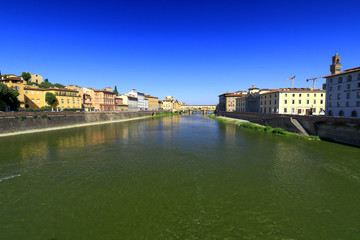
{"x": 313, "y": 79}
{"x": 292, "y": 81}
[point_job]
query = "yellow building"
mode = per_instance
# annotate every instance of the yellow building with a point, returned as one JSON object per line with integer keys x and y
{"x": 66, "y": 98}
{"x": 153, "y": 103}
{"x": 171, "y": 104}
{"x": 16, "y": 83}
{"x": 299, "y": 101}
{"x": 36, "y": 78}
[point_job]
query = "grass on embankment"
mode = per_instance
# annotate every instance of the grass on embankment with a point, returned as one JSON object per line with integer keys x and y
{"x": 164, "y": 114}
{"x": 267, "y": 129}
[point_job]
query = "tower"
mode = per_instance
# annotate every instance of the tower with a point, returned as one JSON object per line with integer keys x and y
{"x": 335, "y": 67}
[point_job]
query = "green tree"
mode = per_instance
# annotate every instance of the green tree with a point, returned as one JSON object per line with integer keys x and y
{"x": 51, "y": 99}
{"x": 116, "y": 91}
{"x": 58, "y": 85}
{"x": 46, "y": 85}
{"x": 46, "y": 80}
{"x": 8, "y": 98}
{"x": 26, "y": 76}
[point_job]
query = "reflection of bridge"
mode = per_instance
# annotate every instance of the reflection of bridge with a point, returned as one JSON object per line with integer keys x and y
{"x": 198, "y": 107}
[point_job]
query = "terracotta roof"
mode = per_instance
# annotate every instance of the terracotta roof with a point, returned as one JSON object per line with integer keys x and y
{"x": 149, "y": 96}
{"x": 104, "y": 91}
{"x": 344, "y": 72}
{"x": 49, "y": 89}
{"x": 12, "y": 78}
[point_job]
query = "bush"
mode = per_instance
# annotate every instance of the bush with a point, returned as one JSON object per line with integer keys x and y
{"x": 44, "y": 115}
{"x": 279, "y": 131}
{"x": 29, "y": 109}
{"x": 35, "y": 116}
{"x": 46, "y": 108}
{"x": 22, "y": 117}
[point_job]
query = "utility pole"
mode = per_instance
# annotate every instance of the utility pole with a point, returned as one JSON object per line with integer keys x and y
{"x": 313, "y": 79}
{"x": 292, "y": 81}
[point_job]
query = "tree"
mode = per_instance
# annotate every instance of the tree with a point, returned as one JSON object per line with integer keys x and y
{"x": 46, "y": 85}
{"x": 8, "y": 98}
{"x": 46, "y": 80}
{"x": 26, "y": 76}
{"x": 58, "y": 85}
{"x": 51, "y": 99}
{"x": 116, "y": 91}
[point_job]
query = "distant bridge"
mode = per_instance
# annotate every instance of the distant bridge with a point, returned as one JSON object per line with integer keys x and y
{"x": 198, "y": 107}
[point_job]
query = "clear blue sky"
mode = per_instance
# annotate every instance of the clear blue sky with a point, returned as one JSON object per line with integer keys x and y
{"x": 193, "y": 50}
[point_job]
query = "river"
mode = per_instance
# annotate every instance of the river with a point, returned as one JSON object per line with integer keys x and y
{"x": 177, "y": 177}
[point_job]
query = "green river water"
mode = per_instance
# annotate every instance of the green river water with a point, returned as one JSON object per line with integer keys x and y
{"x": 177, "y": 177}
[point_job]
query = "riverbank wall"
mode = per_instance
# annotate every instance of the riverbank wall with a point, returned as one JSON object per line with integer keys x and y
{"x": 11, "y": 124}
{"x": 337, "y": 129}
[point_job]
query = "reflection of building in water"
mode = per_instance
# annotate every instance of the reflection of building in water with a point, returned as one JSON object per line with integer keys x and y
{"x": 34, "y": 151}
{"x": 74, "y": 140}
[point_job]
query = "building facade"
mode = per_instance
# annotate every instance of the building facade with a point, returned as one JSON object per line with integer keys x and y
{"x": 227, "y": 101}
{"x": 104, "y": 100}
{"x": 36, "y": 78}
{"x": 299, "y": 101}
{"x": 342, "y": 90}
{"x": 120, "y": 105}
{"x": 171, "y": 104}
{"x": 153, "y": 103}
{"x": 16, "y": 83}
{"x": 35, "y": 98}
{"x": 132, "y": 103}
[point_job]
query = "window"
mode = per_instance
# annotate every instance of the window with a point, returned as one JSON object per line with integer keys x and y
{"x": 293, "y": 94}
{"x": 62, "y": 101}
{"x": 341, "y": 113}
{"x": 339, "y": 96}
{"x": 339, "y": 87}
{"x": 26, "y": 92}
{"x": 358, "y": 103}
{"x": 340, "y": 80}
{"x": 348, "y": 86}
{"x": 358, "y": 78}
{"x": 348, "y": 95}
{"x": 308, "y": 95}
{"x": 264, "y": 102}
{"x": 349, "y": 78}
{"x": 38, "y": 101}
{"x": 286, "y": 93}
{"x": 73, "y": 101}
{"x": 270, "y": 102}
{"x": 330, "y": 113}
{"x": 260, "y": 102}
{"x": 330, "y": 96}
{"x": 321, "y": 101}
{"x": 358, "y": 95}
{"x": 314, "y": 101}
{"x": 269, "y": 109}
{"x": 331, "y": 88}
{"x": 358, "y": 84}
{"x": 331, "y": 80}
{"x": 338, "y": 104}
{"x": 321, "y": 95}
{"x": 307, "y": 102}
{"x": 347, "y": 104}
{"x": 68, "y": 101}
{"x": 299, "y": 101}
{"x": 330, "y": 104}
{"x": 285, "y": 101}
{"x": 275, "y": 101}
{"x": 315, "y": 94}
{"x": 300, "y": 95}
{"x": 353, "y": 114}
{"x": 285, "y": 110}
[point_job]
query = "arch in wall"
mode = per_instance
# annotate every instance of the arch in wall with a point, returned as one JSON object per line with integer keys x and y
{"x": 354, "y": 114}
{"x": 349, "y": 78}
{"x": 341, "y": 113}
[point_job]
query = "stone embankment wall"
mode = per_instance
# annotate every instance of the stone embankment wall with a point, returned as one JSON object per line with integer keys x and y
{"x": 13, "y": 123}
{"x": 343, "y": 130}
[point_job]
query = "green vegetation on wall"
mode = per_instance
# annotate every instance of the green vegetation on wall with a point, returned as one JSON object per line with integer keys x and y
{"x": 267, "y": 129}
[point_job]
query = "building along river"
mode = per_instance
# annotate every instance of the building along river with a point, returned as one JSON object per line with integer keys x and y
{"x": 176, "y": 177}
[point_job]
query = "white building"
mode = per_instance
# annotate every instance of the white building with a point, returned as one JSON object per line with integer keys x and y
{"x": 342, "y": 90}
{"x": 141, "y": 105}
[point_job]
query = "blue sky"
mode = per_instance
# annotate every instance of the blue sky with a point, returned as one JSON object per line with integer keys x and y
{"x": 192, "y": 50}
